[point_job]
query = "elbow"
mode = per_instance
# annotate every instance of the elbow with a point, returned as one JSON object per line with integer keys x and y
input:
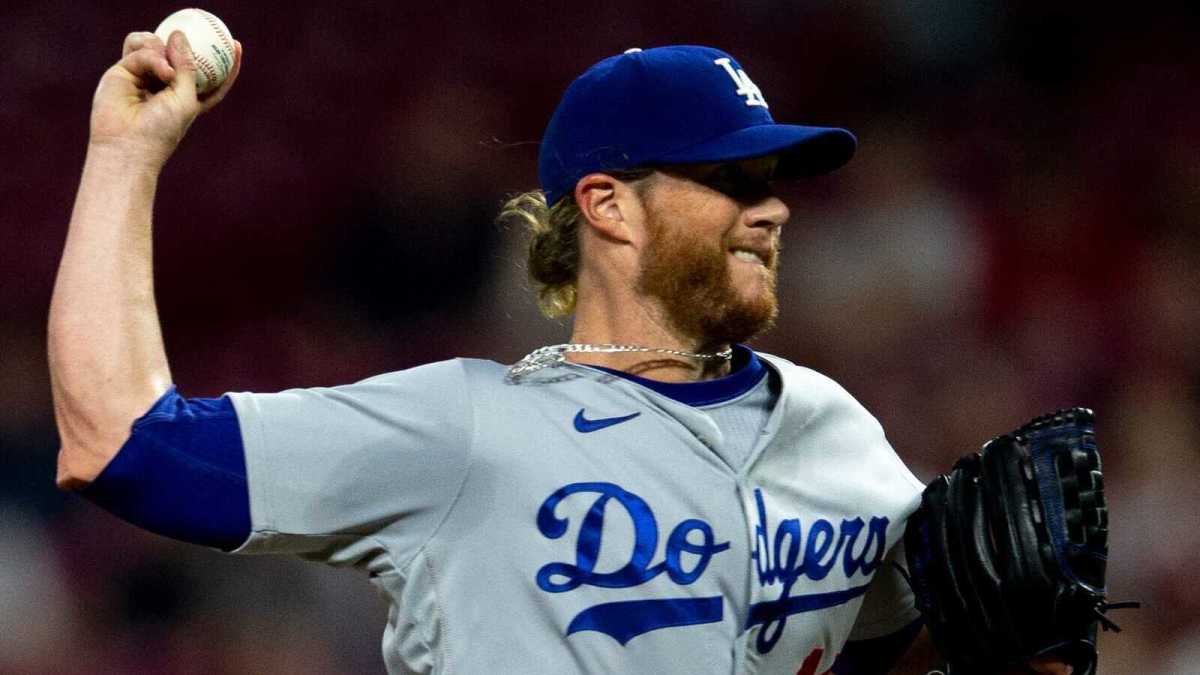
{"x": 89, "y": 438}
{"x": 85, "y": 451}
{"x": 66, "y": 480}
{"x": 77, "y": 467}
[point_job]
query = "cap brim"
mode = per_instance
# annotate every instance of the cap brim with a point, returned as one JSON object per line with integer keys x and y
{"x": 802, "y": 151}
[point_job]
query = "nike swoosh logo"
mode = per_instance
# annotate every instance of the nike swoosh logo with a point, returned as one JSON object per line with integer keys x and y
{"x": 585, "y": 426}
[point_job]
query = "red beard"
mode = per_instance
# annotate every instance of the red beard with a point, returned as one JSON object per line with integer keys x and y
{"x": 693, "y": 281}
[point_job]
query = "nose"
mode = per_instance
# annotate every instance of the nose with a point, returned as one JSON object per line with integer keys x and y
{"x": 769, "y": 212}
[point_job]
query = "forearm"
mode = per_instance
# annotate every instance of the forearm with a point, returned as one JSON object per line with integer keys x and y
{"x": 107, "y": 361}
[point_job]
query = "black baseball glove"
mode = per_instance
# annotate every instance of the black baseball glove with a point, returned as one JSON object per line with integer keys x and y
{"x": 1007, "y": 551}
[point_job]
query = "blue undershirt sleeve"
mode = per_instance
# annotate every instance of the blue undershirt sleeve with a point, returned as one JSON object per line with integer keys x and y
{"x": 181, "y": 473}
{"x": 875, "y": 656}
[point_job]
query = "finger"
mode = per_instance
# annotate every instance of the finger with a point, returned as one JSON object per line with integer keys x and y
{"x": 219, "y": 93}
{"x": 140, "y": 39}
{"x": 147, "y": 66}
{"x": 179, "y": 53}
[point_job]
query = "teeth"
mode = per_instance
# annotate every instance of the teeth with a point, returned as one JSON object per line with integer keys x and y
{"x": 748, "y": 256}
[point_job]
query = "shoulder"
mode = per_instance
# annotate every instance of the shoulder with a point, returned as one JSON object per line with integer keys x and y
{"x": 816, "y": 406}
{"x": 457, "y": 370}
{"x": 452, "y": 377}
{"x": 431, "y": 390}
{"x": 447, "y": 371}
{"x": 820, "y": 394}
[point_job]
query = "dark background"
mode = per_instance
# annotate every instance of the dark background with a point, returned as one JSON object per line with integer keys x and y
{"x": 1017, "y": 233}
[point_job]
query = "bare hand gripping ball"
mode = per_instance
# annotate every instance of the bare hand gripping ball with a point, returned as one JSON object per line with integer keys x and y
{"x": 211, "y": 41}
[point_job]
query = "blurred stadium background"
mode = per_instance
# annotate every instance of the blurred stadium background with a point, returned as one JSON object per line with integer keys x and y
{"x": 1018, "y": 232}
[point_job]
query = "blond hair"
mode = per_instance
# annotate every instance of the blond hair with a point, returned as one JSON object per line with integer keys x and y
{"x": 554, "y": 242}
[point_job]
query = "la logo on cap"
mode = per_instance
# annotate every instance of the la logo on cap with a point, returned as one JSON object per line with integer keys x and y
{"x": 673, "y": 105}
{"x": 745, "y": 87}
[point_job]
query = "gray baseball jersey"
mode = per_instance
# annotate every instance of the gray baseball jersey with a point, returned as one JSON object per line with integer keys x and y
{"x": 576, "y": 521}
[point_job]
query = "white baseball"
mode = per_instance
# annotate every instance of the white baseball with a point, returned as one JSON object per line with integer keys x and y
{"x": 211, "y": 42}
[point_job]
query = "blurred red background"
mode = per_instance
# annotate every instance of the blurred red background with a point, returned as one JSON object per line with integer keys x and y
{"x": 1018, "y": 232}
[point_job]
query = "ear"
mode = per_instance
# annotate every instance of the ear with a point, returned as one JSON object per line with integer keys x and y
{"x": 608, "y": 205}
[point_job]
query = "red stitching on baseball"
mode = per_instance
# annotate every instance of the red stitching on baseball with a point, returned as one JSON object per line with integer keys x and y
{"x": 221, "y": 34}
{"x": 210, "y": 72}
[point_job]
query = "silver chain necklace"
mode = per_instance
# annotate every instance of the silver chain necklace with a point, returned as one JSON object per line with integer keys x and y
{"x": 556, "y": 355}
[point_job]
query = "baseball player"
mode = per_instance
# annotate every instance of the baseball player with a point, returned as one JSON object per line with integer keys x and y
{"x": 653, "y": 497}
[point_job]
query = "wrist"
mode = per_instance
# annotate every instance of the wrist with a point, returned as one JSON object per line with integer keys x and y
{"x": 118, "y": 157}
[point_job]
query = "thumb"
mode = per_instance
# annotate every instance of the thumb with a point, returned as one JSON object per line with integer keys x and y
{"x": 179, "y": 54}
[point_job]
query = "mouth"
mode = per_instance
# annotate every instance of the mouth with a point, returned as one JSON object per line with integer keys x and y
{"x": 752, "y": 255}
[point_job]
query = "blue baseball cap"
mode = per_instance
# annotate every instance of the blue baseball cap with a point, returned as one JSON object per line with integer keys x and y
{"x": 674, "y": 105}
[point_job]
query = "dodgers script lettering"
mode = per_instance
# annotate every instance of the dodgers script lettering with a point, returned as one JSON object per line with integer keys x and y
{"x": 783, "y": 559}
{"x": 625, "y": 620}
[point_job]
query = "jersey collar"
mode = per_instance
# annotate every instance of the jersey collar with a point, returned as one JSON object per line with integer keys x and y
{"x": 747, "y": 371}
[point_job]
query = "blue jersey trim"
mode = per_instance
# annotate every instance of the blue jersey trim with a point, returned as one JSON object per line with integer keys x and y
{"x": 748, "y": 371}
{"x": 181, "y": 473}
{"x": 876, "y": 656}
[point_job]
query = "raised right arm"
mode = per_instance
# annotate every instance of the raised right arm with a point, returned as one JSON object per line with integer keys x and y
{"x": 107, "y": 361}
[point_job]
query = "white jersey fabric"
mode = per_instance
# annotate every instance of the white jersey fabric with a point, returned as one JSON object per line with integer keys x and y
{"x": 576, "y": 521}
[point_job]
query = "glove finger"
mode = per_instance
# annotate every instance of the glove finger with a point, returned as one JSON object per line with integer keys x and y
{"x": 970, "y": 551}
{"x": 955, "y": 622}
